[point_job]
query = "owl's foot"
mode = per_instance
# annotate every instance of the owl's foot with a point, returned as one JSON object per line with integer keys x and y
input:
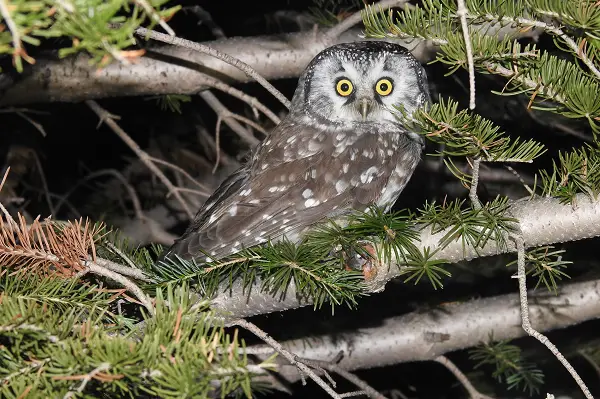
{"x": 367, "y": 262}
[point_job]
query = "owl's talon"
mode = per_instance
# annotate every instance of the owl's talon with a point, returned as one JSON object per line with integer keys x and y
{"x": 368, "y": 266}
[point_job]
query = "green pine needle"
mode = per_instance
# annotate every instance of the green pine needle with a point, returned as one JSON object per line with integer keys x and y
{"x": 509, "y": 366}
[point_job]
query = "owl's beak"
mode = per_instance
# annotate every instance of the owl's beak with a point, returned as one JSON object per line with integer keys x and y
{"x": 365, "y": 106}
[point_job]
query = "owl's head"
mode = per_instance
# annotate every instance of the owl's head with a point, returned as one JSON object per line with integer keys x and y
{"x": 361, "y": 82}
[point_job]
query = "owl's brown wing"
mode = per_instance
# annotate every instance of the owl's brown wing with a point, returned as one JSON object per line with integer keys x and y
{"x": 289, "y": 186}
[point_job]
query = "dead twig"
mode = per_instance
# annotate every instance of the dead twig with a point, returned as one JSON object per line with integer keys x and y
{"x": 109, "y": 119}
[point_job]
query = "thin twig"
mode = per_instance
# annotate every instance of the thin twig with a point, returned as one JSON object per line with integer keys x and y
{"x": 356, "y": 18}
{"x": 558, "y": 32}
{"x": 101, "y": 270}
{"x": 254, "y": 329}
{"x": 252, "y": 101}
{"x": 526, "y": 324}
{"x": 108, "y": 118}
{"x": 462, "y": 14}
{"x": 474, "y": 183}
{"x": 217, "y": 143}
{"x": 518, "y": 176}
{"x": 242, "y": 66}
{"x": 12, "y": 27}
{"x": 183, "y": 172}
{"x": 222, "y": 111}
{"x": 87, "y": 378}
{"x": 155, "y": 17}
{"x": 44, "y": 183}
{"x": 333, "y": 367}
{"x": 461, "y": 377}
{"x": 135, "y": 201}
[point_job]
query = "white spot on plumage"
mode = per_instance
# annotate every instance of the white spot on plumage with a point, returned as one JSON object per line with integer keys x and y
{"x": 266, "y": 216}
{"x": 254, "y": 201}
{"x": 246, "y": 192}
{"x": 309, "y": 203}
{"x": 313, "y": 146}
{"x": 307, "y": 193}
{"x": 340, "y": 186}
{"x": 291, "y": 140}
{"x": 273, "y": 189}
{"x": 390, "y": 152}
{"x": 233, "y": 210}
{"x": 212, "y": 218}
{"x": 367, "y": 175}
{"x": 345, "y": 167}
{"x": 313, "y": 173}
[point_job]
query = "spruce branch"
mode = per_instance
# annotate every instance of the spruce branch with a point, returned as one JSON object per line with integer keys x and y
{"x": 544, "y": 221}
{"x": 509, "y": 365}
{"x": 356, "y": 18}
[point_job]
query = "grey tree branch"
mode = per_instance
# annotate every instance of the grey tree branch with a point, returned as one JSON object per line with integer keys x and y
{"x": 543, "y": 221}
{"x": 175, "y": 70}
{"x": 421, "y": 336}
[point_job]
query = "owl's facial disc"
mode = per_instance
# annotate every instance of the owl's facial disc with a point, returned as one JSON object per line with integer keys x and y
{"x": 363, "y": 82}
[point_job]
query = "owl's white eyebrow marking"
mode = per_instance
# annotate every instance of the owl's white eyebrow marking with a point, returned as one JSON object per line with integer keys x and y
{"x": 307, "y": 193}
{"x": 309, "y": 203}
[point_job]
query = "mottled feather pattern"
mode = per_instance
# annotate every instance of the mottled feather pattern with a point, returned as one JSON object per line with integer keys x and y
{"x": 311, "y": 167}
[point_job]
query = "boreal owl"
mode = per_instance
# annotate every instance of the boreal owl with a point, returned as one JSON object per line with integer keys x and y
{"x": 340, "y": 148}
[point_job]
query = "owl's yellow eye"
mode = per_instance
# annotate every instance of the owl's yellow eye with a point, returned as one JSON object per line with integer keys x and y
{"x": 344, "y": 87}
{"x": 384, "y": 87}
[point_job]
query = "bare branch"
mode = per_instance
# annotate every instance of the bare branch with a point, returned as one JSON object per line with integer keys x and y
{"x": 462, "y": 14}
{"x": 289, "y": 356}
{"x": 174, "y": 70}
{"x": 142, "y": 155}
{"x": 247, "y": 69}
{"x": 460, "y": 376}
{"x": 526, "y": 323}
{"x": 420, "y": 336}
